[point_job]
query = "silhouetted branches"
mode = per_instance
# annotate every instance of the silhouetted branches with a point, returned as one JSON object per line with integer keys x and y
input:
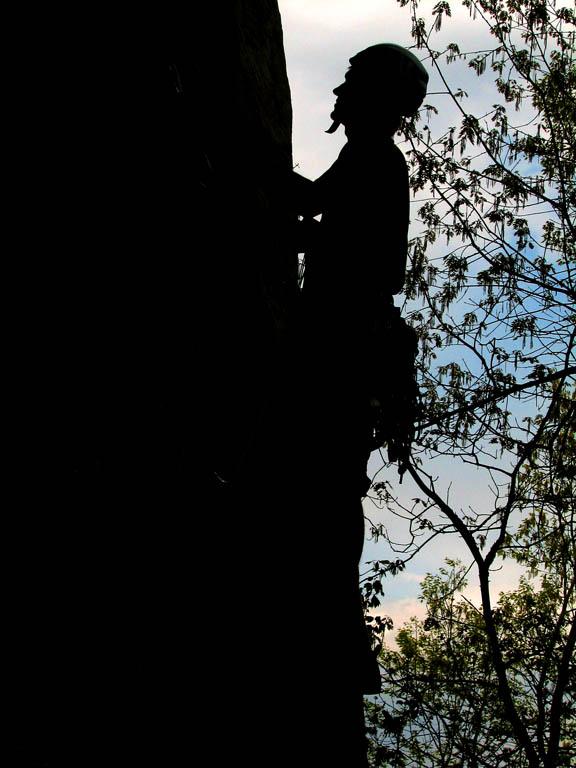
{"x": 491, "y": 291}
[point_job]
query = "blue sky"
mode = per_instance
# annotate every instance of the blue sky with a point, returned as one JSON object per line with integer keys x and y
{"x": 320, "y": 36}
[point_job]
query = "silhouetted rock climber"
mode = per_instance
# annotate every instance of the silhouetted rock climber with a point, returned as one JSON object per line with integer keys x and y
{"x": 355, "y": 260}
{"x": 356, "y": 254}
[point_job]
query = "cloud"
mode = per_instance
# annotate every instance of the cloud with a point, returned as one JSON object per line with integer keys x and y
{"x": 402, "y": 609}
{"x": 504, "y": 578}
{"x": 344, "y": 16}
{"x": 411, "y": 578}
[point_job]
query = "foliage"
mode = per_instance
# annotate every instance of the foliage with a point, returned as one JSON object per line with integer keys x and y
{"x": 440, "y": 703}
{"x": 496, "y": 303}
{"x": 491, "y": 291}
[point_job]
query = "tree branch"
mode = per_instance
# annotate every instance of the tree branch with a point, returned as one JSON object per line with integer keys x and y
{"x": 556, "y": 707}
{"x": 571, "y": 371}
{"x": 500, "y": 669}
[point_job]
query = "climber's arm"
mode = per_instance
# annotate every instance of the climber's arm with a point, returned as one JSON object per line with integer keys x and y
{"x": 305, "y": 196}
{"x": 306, "y": 202}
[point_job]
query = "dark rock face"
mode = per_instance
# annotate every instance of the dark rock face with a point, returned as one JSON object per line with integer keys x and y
{"x": 244, "y": 135}
{"x": 153, "y": 284}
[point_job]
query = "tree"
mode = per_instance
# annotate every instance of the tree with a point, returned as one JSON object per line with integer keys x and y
{"x": 440, "y": 702}
{"x": 491, "y": 291}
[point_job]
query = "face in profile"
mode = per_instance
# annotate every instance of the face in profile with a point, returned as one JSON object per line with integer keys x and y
{"x": 359, "y": 101}
{"x": 345, "y": 99}
{"x": 384, "y": 82}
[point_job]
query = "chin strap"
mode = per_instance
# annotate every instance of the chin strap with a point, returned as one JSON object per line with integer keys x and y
{"x": 334, "y": 127}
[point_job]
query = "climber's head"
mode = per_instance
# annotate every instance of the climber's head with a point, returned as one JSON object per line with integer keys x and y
{"x": 384, "y": 83}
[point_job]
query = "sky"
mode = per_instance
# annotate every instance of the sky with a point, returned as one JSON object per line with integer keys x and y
{"x": 320, "y": 36}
